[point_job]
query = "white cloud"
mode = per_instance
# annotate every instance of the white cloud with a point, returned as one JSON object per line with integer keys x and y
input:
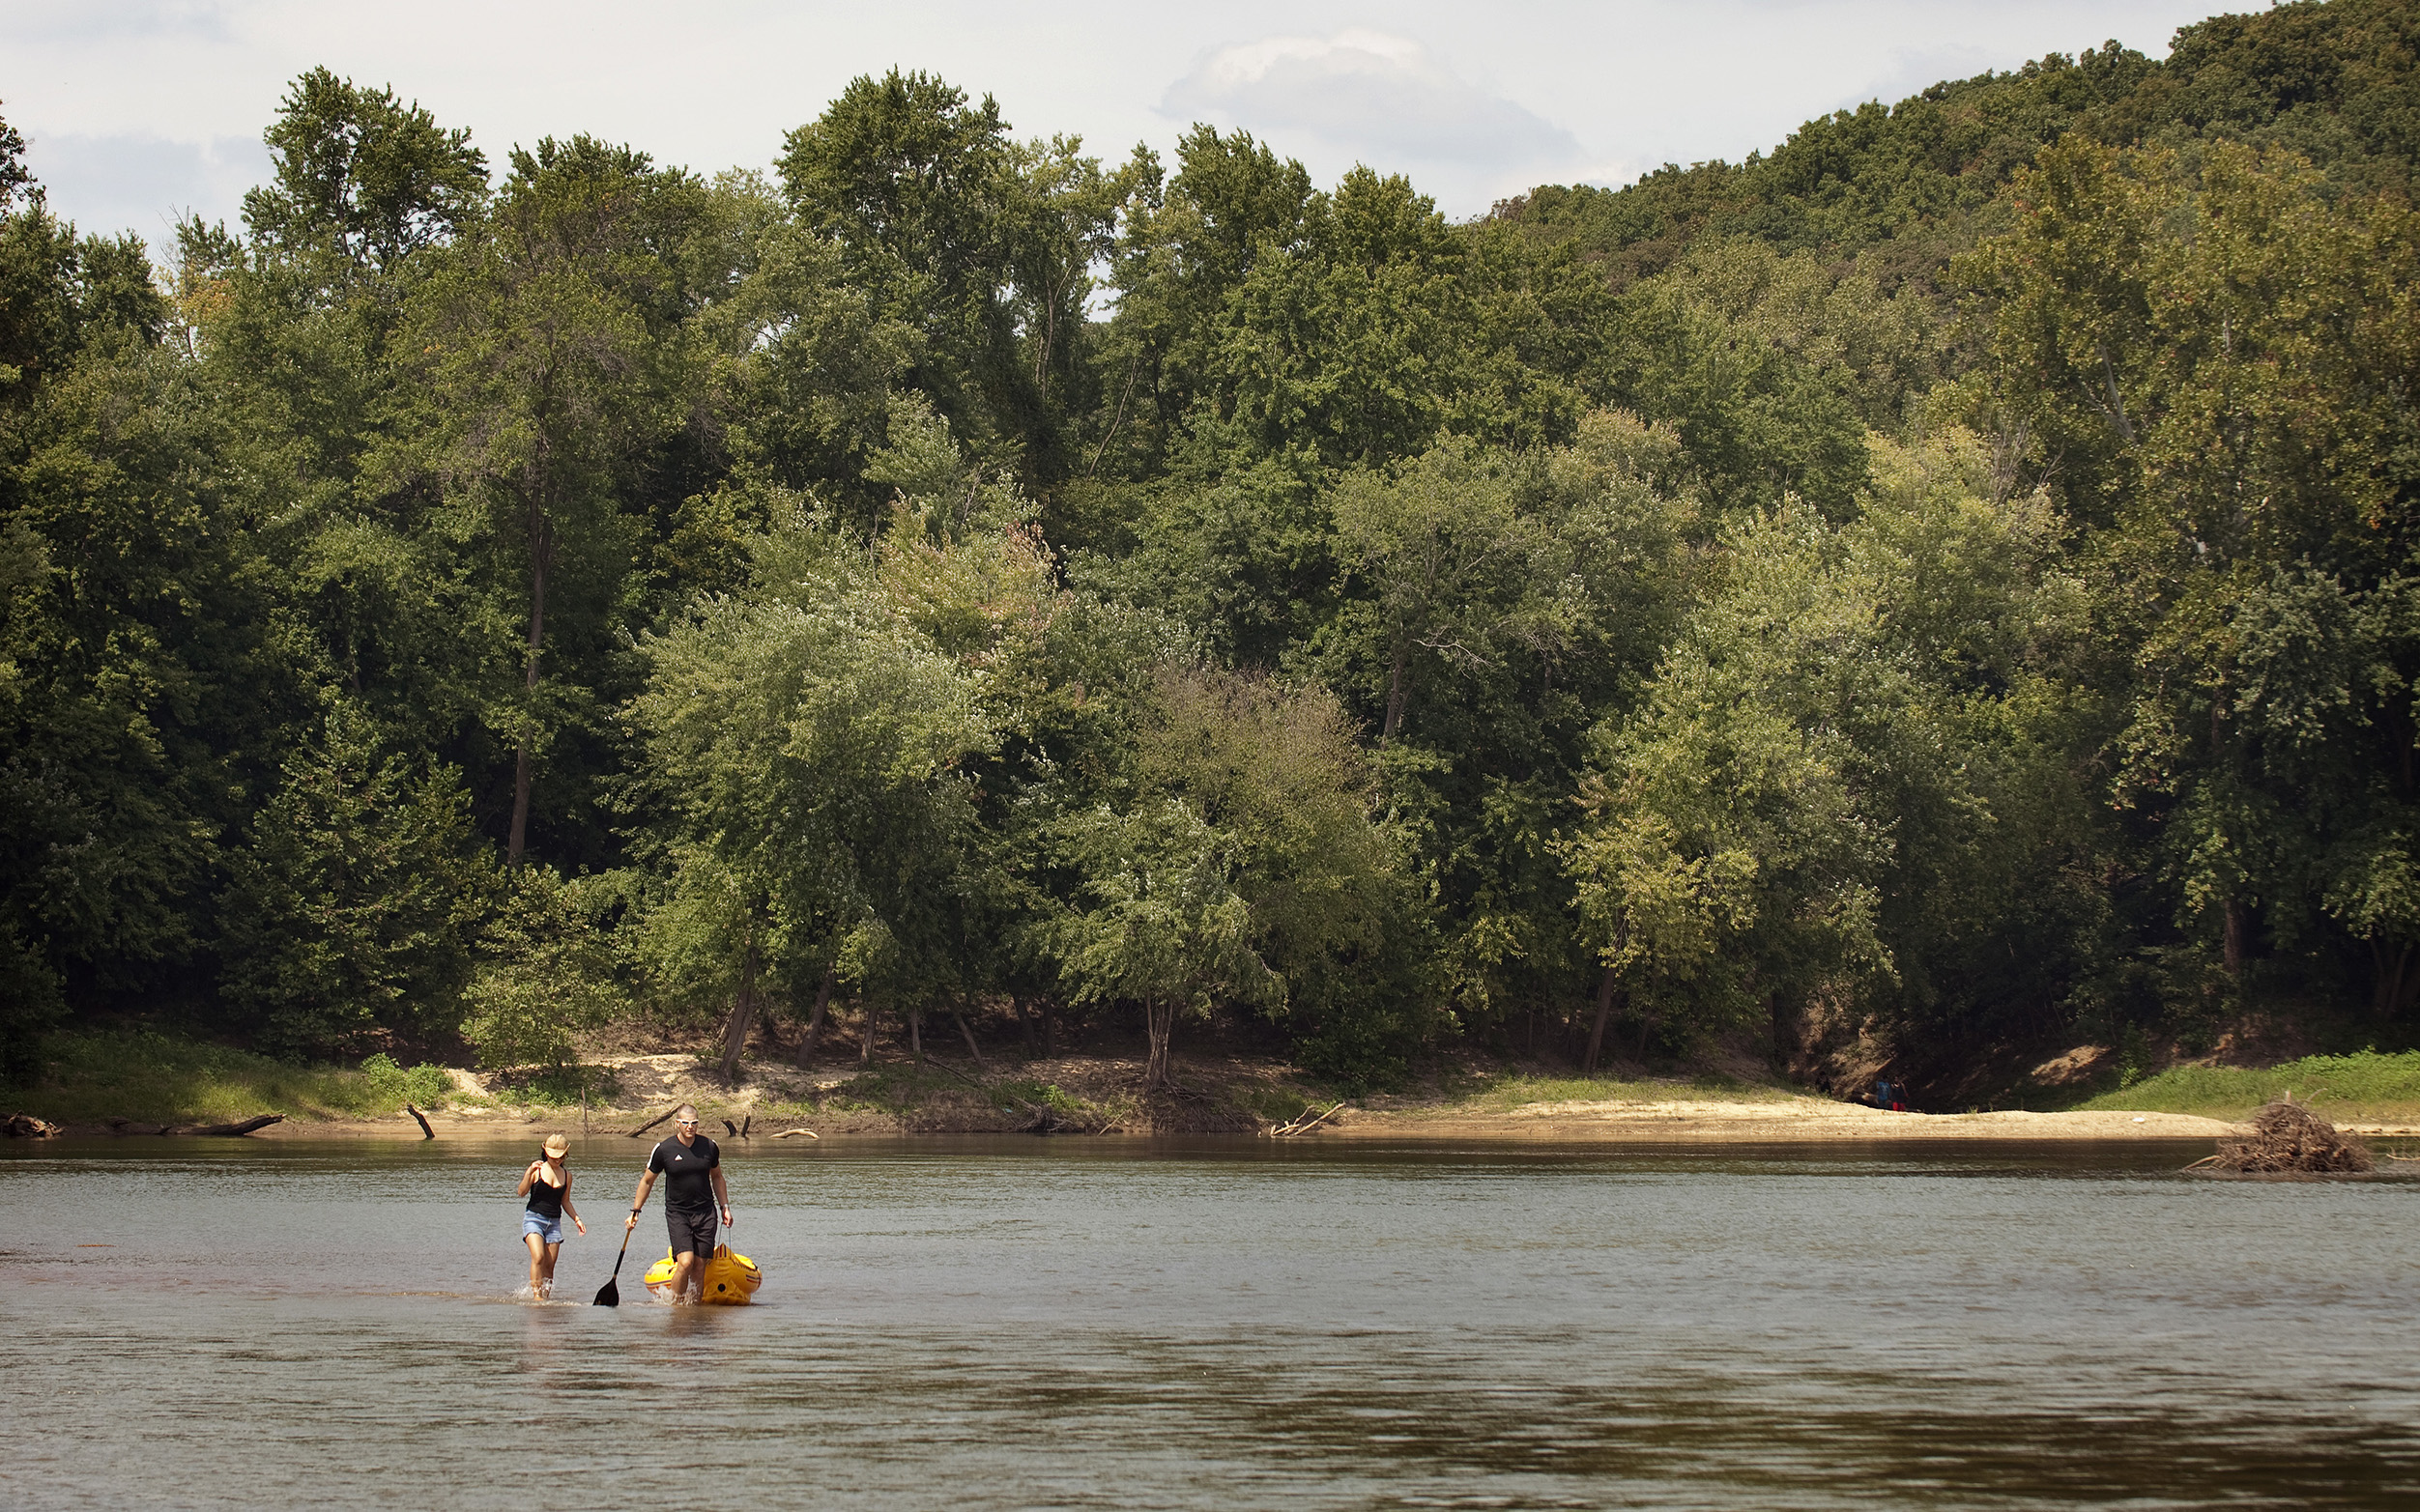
{"x": 140, "y": 183}
{"x": 1374, "y": 98}
{"x": 1487, "y": 100}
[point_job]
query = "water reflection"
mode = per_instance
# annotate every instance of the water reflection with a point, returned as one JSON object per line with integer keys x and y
{"x": 1222, "y": 1324}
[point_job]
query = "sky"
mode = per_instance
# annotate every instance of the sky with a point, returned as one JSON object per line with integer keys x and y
{"x": 139, "y": 111}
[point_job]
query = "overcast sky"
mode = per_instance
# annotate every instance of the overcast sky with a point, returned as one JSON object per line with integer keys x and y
{"x": 138, "y": 109}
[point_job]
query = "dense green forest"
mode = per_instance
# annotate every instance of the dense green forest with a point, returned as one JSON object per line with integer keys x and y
{"x": 1948, "y": 584}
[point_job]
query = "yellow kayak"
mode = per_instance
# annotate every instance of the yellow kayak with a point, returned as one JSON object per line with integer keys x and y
{"x": 730, "y": 1279}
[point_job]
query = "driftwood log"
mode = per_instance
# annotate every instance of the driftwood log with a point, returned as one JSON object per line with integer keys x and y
{"x": 24, "y": 1126}
{"x": 228, "y": 1130}
{"x": 1305, "y": 1122}
{"x": 652, "y": 1123}
{"x": 731, "y": 1128}
{"x": 793, "y": 1134}
{"x": 420, "y": 1119}
{"x": 745, "y": 1124}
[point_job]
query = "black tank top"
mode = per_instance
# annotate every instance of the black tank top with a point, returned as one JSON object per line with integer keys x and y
{"x": 546, "y": 1201}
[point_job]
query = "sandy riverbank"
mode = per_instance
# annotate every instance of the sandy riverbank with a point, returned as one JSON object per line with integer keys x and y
{"x": 1679, "y": 1120}
{"x": 1795, "y": 1119}
{"x": 1103, "y": 1094}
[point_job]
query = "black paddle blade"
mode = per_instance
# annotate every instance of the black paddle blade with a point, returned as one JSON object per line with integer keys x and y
{"x": 610, "y": 1294}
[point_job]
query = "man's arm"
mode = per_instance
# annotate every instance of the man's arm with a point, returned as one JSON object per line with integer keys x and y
{"x": 638, "y": 1199}
{"x": 722, "y": 1194}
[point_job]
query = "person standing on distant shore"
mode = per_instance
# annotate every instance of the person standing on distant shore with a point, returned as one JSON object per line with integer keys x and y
{"x": 546, "y": 1187}
{"x": 694, "y": 1195}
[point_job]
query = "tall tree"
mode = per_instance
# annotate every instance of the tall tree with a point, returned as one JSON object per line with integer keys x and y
{"x": 556, "y": 373}
{"x": 362, "y": 174}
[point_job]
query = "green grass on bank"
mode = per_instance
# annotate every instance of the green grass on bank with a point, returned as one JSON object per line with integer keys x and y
{"x": 150, "y": 1077}
{"x": 2363, "y": 1087}
{"x": 1503, "y": 1094}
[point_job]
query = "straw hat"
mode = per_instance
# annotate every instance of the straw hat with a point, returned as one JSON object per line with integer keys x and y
{"x": 557, "y": 1145}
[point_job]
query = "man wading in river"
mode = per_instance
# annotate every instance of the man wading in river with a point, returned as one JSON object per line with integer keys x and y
{"x": 693, "y": 1194}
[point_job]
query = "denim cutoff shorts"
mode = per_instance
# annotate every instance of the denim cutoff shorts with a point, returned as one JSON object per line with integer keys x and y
{"x": 548, "y": 1230}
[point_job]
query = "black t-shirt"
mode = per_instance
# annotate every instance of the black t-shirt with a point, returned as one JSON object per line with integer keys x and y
{"x": 685, "y": 1168}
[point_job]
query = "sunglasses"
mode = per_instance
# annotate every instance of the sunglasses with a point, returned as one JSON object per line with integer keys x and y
{"x": 684, "y": 1123}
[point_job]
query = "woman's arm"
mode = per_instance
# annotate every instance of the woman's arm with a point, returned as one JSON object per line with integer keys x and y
{"x": 569, "y": 1208}
{"x": 526, "y": 1176}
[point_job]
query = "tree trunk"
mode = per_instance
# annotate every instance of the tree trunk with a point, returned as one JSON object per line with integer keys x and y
{"x": 1049, "y": 1028}
{"x": 1597, "y": 1034}
{"x": 2234, "y": 947}
{"x": 742, "y": 1017}
{"x": 916, "y": 1033}
{"x": 865, "y": 1038}
{"x": 814, "y": 1020}
{"x": 1398, "y": 694}
{"x": 541, "y": 553}
{"x": 2397, "y": 982}
{"x": 1160, "y": 1022}
{"x": 973, "y": 1048}
{"x": 1025, "y": 1022}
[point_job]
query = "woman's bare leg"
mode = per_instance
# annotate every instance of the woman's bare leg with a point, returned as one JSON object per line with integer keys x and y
{"x": 539, "y": 1266}
{"x": 554, "y": 1252}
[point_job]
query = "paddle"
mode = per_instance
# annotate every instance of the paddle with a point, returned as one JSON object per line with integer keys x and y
{"x": 610, "y": 1294}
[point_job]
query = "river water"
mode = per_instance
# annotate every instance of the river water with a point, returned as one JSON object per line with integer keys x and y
{"x": 1123, "y": 1323}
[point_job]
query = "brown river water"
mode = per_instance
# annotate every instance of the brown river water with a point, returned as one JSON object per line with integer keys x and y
{"x": 1213, "y": 1323}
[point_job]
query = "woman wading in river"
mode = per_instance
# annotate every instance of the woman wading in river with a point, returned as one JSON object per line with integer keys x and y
{"x": 547, "y": 1186}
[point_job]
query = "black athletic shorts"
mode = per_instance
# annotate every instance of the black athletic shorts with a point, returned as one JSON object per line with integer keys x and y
{"x": 691, "y": 1230}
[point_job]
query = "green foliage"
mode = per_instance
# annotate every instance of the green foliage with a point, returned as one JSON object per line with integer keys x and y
{"x": 352, "y": 906}
{"x": 148, "y": 1076}
{"x": 362, "y": 173}
{"x": 547, "y": 971}
{"x": 385, "y": 1082}
{"x": 2363, "y": 1086}
{"x": 1950, "y": 577}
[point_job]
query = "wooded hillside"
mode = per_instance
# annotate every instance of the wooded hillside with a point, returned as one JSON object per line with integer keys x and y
{"x": 1951, "y": 581}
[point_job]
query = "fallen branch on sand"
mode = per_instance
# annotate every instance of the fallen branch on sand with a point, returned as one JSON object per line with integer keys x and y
{"x": 229, "y": 1130}
{"x": 1304, "y": 1122}
{"x": 24, "y": 1126}
{"x": 2289, "y": 1137}
{"x": 652, "y": 1123}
